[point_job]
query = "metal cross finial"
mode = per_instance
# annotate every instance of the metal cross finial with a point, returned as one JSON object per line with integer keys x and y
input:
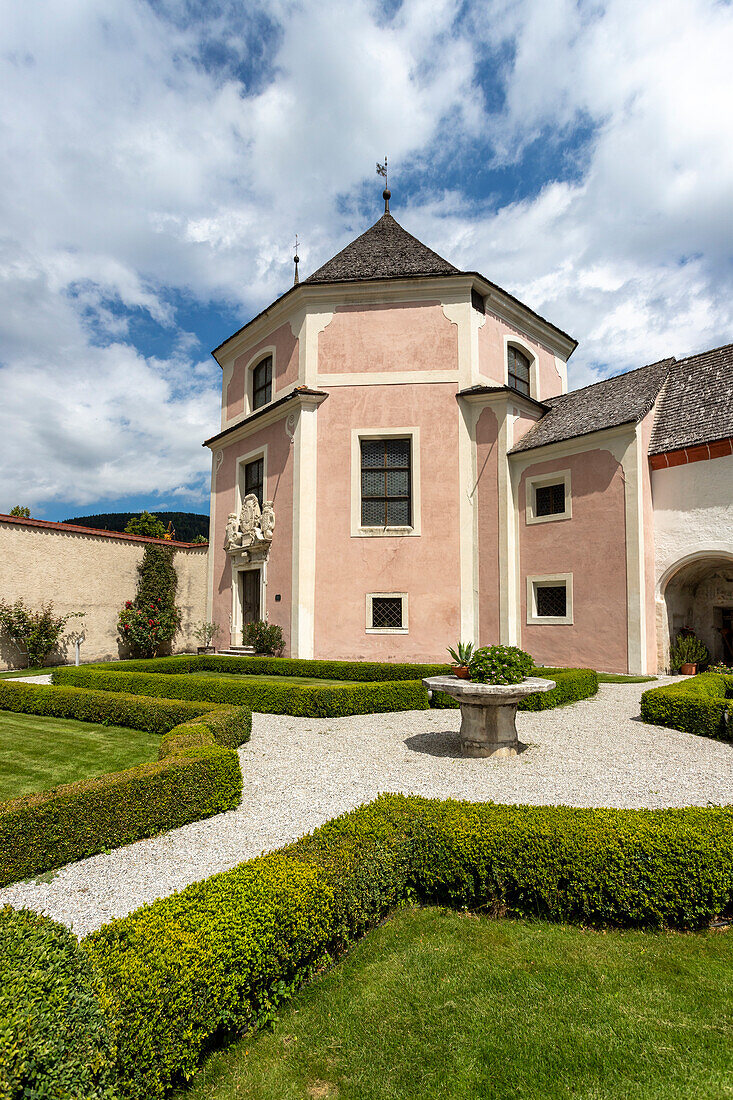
{"x": 296, "y": 259}
{"x": 386, "y": 194}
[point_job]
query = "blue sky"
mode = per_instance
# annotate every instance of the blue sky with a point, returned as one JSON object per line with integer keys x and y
{"x": 161, "y": 155}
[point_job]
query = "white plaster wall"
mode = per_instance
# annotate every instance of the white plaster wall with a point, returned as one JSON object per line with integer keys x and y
{"x": 693, "y": 511}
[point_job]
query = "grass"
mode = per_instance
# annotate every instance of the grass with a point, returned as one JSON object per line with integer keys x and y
{"x": 436, "y": 1004}
{"x": 616, "y": 678}
{"x": 37, "y": 753}
{"x": 295, "y": 681}
{"x": 24, "y": 672}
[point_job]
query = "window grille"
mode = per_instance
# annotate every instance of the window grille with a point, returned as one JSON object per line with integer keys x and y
{"x": 386, "y": 496}
{"x": 262, "y": 383}
{"x": 254, "y": 479}
{"x": 551, "y": 601}
{"x": 549, "y": 500}
{"x": 518, "y": 374}
{"x": 387, "y": 612}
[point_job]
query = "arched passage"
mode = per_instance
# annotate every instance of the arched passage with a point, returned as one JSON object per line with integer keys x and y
{"x": 697, "y": 594}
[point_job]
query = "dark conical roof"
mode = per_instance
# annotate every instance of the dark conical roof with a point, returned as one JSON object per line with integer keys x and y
{"x": 386, "y": 251}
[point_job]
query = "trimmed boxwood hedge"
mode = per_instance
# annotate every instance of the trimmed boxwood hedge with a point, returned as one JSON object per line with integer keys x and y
{"x": 329, "y": 701}
{"x": 362, "y": 671}
{"x": 703, "y": 705}
{"x": 217, "y": 958}
{"x": 56, "y": 1038}
{"x": 196, "y": 775}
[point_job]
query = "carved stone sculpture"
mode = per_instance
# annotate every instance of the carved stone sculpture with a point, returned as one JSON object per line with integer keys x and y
{"x": 233, "y": 537}
{"x": 249, "y": 517}
{"x": 267, "y": 521}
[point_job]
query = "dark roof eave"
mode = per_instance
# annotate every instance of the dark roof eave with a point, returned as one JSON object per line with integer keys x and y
{"x": 300, "y": 391}
{"x": 394, "y": 278}
{"x": 518, "y": 449}
{"x": 479, "y": 391}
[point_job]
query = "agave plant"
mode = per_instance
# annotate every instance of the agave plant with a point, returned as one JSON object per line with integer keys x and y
{"x": 462, "y": 653}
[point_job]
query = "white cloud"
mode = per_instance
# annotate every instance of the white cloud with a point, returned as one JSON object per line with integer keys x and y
{"x": 135, "y": 172}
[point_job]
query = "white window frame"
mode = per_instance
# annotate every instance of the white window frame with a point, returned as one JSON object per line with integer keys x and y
{"x": 539, "y": 480}
{"x": 550, "y": 580}
{"x": 534, "y": 365}
{"x": 404, "y": 629}
{"x": 254, "y": 362}
{"x": 357, "y": 434}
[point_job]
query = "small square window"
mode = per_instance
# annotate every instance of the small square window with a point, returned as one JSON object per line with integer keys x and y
{"x": 549, "y": 499}
{"x": 387, "y": 612}
{"x": 551, "y": 600}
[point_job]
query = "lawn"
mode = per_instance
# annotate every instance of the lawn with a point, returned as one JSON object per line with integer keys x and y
{"x": 436, "y": 1004}
{"x": 617, "y": 678}
{"x": 37, "y": 753}
{"x": 295, "y": 681}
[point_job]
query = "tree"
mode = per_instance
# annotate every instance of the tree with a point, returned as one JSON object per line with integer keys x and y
{"x": 35, "y": 633}
{"x": 199, "y": 539}
{"x": 152, "y": 619}
{"x": 24, "y": 513}
{"x": 145, "y": 524}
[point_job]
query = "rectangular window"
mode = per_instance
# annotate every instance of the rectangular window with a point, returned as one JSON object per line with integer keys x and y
{"x": 549, "y": 499}
{"x": 262, "y": 383}
{"x": 386, "y": 493}
{"x": 386, "y": 613}
{"x": 551, "y": 601}
{"x": 254, "y": 479}
{"x": 477, "y": 301}
{"x": 518, "y": 370}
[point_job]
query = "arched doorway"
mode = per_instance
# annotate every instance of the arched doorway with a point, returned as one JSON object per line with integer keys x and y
{"x": 697, "y": 594}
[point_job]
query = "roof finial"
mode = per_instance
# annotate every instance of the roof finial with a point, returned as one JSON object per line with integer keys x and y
{"x": 296, "y": 261}
{"x": 386, "y": 194}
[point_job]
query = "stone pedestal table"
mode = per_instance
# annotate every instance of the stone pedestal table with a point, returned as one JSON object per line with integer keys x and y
{"x": 488, "y": 712}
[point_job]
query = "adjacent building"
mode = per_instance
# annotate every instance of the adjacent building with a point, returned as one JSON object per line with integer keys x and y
{"x": 400, "y": 466}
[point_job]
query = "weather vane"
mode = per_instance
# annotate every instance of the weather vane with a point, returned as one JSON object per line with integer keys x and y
{"x": 296, "y": 260}
{"x": 386, "y": 194}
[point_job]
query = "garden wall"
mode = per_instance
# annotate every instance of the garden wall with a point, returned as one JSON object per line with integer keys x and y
{"x": 81, "y": 569}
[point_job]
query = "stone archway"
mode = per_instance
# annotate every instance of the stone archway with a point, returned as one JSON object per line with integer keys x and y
{"x": 697, "y": 594}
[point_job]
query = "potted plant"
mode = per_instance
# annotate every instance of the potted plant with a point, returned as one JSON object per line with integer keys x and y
{"x": 687, "y": 653}
{"x": 461, "y": 656}
{"x": 205, "y": 633}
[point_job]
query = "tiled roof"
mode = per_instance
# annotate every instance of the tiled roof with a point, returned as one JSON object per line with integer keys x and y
{"x": 625, "y": 399}
{"x": 77, "y": 529}
{"x": 697, "y": 403}
{"x": 386, "y": 251}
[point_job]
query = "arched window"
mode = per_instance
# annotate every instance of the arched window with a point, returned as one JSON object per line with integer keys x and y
{"x": 262, "y": 383}
{"x": 518, "y": 370}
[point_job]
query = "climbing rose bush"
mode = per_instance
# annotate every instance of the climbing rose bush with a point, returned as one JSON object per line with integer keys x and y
{"x": 141, "y": 627}
{"x": 499, "y": 664}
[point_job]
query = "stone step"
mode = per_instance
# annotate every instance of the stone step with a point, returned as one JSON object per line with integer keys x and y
{"x": 237, "y": 651}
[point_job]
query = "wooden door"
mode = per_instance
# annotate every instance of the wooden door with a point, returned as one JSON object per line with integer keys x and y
{"x": 250, "y": 596}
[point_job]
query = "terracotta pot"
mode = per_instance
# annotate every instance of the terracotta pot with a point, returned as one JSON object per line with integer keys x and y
{"x": 688, "y": 670}
{"x": 461, "y": 671}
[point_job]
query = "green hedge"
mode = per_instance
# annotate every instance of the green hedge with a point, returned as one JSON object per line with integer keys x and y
{"x": 572, "y": 684}
{"x": 56, "y": 1041}
{"x": 699, "y": 705}
{"x": 218, "y": 958}
{"x": 362, "y": 671}
{"x": 196, "y": 775}
{"x": 329, "y": 701}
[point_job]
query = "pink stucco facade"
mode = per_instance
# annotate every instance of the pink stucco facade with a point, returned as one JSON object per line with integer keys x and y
{"x": 405, "y": 367}
{"x": 590, "y": 545}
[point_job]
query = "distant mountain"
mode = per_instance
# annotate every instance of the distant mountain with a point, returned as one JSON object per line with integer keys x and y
{"x": 187, "y": 524}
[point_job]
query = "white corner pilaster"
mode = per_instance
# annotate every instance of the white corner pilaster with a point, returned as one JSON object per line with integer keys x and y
{"x": 305, "y": 451}
{"x": 508, "y": 479}
{"x": 631, "y": 460}
{"x": 468, "y": 523}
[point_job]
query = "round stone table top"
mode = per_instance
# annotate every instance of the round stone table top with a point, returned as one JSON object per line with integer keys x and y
{"x": 487, "y": 694}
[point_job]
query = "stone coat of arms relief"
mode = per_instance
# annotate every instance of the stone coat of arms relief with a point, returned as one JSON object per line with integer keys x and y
{"x": 249, "y": 534}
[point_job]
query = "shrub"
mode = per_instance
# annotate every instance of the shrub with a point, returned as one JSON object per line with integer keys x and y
{"x": 35, "y": 633}
{"x": 687, "y": 649}
{"x": 197, "y": 774}
{"x": 309, "y": 701}
{"x": 145, "y": 524}
{"x": 360, "y": 671}
{"x": 56, "y": 1042}
{"x": 152, "y": 619}
{"x": 266, "y": 638}
{"x": 499, "y": 664}
{"x": 218, "y": 957}
{"x": 700, "y": 705}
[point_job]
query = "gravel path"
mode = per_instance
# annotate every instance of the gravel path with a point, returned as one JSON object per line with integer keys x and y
{"x": 299, "y": 772}
{"x": 39, "y": 678}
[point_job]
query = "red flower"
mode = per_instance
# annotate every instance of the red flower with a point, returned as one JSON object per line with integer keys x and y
{"x": 150, "y": 622}
{"x": 126, "y": 627}
{"x": 128, "y": 603}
